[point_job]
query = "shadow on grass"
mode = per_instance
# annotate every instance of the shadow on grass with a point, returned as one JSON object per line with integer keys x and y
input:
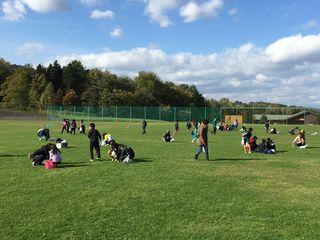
{"x": 13, "y": 155}
{"x": 282, "y": 151}
{"x": 237, "y": 159}
{"x": 312, "y": 147}
{"x": 72, "y": 165}
{"x": 141, "y": 160}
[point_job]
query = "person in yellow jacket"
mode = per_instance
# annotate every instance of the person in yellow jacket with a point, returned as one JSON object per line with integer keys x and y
{"x": 106, "y": 139}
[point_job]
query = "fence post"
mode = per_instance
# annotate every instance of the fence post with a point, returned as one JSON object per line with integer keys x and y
{"x": 205, "y": 112}
{"x": 159, "y": 113}
{"x": 88, "y": 113}
{"x": 74, "y": 112}
{"x": 145, "y": 112}
{"x": 116, "y": 113}
{"x": 130, "y": 113}
{"x": 174, "y": 114}
{"x": 304, "y": 116}
{"x": 102, "y": 112}
{"x": 287, "y": 116}
{"x": 252, "y": 113}
{"x": 60, "y": 110}
{"x": 190, "y": 117}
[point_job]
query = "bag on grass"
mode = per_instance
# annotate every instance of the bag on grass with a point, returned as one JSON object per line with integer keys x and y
{"x": 49, "y": 164}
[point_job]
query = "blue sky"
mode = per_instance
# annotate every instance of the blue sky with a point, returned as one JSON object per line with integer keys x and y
{"x": 227, "y": 48}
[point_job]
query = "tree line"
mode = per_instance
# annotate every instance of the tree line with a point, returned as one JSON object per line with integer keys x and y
{"x": 33, "y": 88}
{"x": 25, "y": 87}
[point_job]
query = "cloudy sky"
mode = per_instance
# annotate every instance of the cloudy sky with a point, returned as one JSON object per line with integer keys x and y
{"x": 245, "y": 50}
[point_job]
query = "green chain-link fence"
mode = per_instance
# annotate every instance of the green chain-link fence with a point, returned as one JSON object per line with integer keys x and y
{"x": 115, "y": 113}
{"x": 280, "y": 115}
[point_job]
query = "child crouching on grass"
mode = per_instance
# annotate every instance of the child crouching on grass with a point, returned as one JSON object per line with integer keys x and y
{"x": 95, "y": 139}
{"x": 121, "y": 152}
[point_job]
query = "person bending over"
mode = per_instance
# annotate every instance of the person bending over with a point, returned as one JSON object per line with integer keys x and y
{"x": 121, "y": 152}
{"x": 41, "y": 154}
{"x": 167, "y": 137}
{"x": 106, "y": 139}
{"x": 44, "y": 134}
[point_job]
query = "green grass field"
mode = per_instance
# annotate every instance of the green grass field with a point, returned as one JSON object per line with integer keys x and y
{"x": 165, "y": 194}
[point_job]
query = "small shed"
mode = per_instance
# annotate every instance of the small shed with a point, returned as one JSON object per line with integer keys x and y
{"x": 304, "y": 117}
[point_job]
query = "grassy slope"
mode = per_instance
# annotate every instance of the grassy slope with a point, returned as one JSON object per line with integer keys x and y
{"x": 165, "y": 194}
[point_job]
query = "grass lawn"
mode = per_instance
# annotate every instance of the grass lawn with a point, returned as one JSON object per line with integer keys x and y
{"x": 165, "y": 194}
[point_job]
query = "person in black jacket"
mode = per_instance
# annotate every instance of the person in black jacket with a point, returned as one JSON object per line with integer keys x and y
{"x": 40, "y": 154}
{"x": 95, "y": 139}
{"x": 144, "y": 126}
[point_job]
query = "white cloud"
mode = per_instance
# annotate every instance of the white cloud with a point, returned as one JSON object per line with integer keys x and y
{"x": 44, "y": 6}
{"x": 13, "y": 10}
{"x": 157, "y": 10}
{"x": 310, "y": 24}
{"x": 98, "y": 14}
{"x": 90, "y": 2}
{"x": 190, "y": 10}
{"x": 295, "y": 48}
{"x": 116, "y": 33}
{"x": 233, "y": 11}
{"x": 245, "y": 73}
{"x": 30, "y": 48}
{"x": 193, "y": 11}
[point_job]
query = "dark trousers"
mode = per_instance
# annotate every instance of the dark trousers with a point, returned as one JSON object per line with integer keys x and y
{"x": 73, "y": 130}
{"x": 143, "y": 130}
{"x": 214, "y": 131}
{"x": 38, "y": 159}
{"x": 97, "y": 147}
{"x": 199, "y": 150}
{"x": 63, "y": 128}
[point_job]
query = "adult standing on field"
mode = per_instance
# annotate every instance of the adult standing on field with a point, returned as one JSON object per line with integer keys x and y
{"x": 266, "y": 126}
{"x": 144, "y": 126}
{"x": 95, "y": 139}
{"x": 203, "y": 140}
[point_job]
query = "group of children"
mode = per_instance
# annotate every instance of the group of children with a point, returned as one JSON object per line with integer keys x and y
{"x": 267, "y": 146}
{"x": 71, "y": 127}
{"x": 51, "y": 154}
{"x": 123, "y": 153}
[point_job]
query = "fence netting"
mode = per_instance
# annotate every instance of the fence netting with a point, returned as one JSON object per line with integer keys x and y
{"x": 114, "y": 113}
{"x": 277, "y": 115}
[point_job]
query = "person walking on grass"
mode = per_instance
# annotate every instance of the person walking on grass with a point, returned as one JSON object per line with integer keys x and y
{"x": 73, "y": 127}
{"x": 203, "y": 140}
{"x": 95, "y": 139}
{"x": 214, "y": 127}
{"x": 144, "y": 126}
{"x": 176, "y": 128}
